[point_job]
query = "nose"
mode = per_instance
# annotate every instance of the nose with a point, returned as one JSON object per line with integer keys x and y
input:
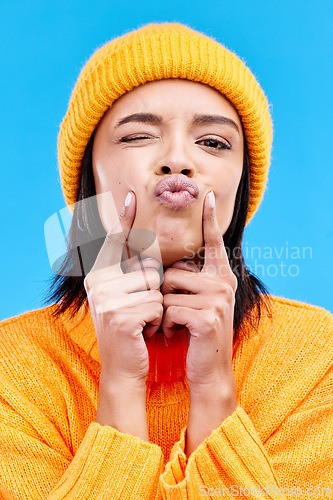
{"x": 176, "y": 158}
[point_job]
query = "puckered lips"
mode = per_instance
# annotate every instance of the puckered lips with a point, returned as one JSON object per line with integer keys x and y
{"x": 176, "y": 191}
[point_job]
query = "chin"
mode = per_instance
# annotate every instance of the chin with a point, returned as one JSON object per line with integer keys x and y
{"x": 173, "y": 253}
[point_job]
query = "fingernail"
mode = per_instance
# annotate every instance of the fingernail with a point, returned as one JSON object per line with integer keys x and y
{"x": 128, "y": 199}
{"x": 211, "y": 199}
{"x": 165, "y": 341}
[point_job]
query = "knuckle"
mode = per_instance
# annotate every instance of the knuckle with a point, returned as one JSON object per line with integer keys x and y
{"x": 229, "y": 277}
{"x": 159, "y": 310}
{"x": 227, "y": 291}
{"x": 222, "y": 308}
{"x": 157, "y": 297}
{"x": 172, "y": 309}
{"x": 167, "y": 312}
{"x": 231, "y": 281}
{"x": 101, "y": 292}
{"x": 234, "y": 282}
{"x": 153, "y": 277}
{"x": 88, "y": 282}
{"x": 169, "y": 273}
{"x": 95, "y": 292}
{"x": 210, "y": 321}
{"x": 167, "y": 300}
{"x": 224, "y": 270}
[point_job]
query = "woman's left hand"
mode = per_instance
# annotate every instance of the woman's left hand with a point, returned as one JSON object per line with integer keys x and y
{"x": 207, "y": 312}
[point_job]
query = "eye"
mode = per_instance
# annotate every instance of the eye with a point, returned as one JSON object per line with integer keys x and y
{"x": 134, "y": 138}
{"x": 215, "y": 143}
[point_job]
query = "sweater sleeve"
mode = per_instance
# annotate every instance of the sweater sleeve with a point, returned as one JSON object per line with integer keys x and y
{"x": 108, "y": 464}
{"x": 230, "y": 462}
{"x": 295, "y": 462}
{"x": 36, "y": 464}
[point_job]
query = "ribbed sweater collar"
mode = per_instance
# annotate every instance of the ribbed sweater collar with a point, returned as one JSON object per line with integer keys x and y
{"x": 166, "y": 363}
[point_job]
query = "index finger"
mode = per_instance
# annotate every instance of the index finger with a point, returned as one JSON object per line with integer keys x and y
{"x": 124, "y": 251}
{"x": 110, "y": 254}
{"x": 216, "y": 258}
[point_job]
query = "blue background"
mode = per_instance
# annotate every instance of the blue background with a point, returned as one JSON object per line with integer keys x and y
{"x": 287, "y": 45}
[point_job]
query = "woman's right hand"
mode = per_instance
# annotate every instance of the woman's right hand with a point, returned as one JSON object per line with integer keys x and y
{"x": 121, "y": 306}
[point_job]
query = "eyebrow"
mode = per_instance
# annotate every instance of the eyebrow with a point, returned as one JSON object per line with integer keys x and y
{"x": 157, "y": 120}
{"x": 222, "y": 120}
{"x": 141, "y": 118}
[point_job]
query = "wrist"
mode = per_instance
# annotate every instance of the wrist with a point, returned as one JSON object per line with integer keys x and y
{"x": 114, "y": 382}
{"x": 219, "y": 391}
{"x": 217, "y": 403}
{"x": 220, "y": 403}
{"x": 123, "y": 407}
{"x": 120, "y": 387}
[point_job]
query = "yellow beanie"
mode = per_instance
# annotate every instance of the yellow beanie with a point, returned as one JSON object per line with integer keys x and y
{"x": 156, "y": 52}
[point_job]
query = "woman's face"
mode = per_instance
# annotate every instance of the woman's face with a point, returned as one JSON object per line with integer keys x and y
{"x": 177, "y": 130}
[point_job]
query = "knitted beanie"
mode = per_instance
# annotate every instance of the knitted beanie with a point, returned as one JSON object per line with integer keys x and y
{"x": 156, "y": 52}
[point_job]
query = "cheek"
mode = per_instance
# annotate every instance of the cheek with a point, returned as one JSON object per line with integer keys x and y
{"x": 225, "y": 200}
{"x": 226, "y": 186}
{"x": 109, "y": 209}
{"x": 109, "y": 198}
{"x": 106, "y": 175}
{"x": 113, "y": 180}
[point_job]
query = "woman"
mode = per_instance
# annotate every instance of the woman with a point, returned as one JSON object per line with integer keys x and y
{"x": 197, "y": 384}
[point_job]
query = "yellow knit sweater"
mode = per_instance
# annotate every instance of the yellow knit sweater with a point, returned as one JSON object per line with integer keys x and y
{"x": 277, "y": 444}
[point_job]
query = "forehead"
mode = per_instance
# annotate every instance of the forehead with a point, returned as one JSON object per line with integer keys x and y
{"x": 172, "y": 96}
